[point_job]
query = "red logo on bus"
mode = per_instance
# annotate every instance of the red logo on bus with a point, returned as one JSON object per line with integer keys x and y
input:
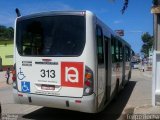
{"x": 72, "y": 74}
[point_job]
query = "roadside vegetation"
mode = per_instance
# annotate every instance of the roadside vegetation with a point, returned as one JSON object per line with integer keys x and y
{"x": 147, "y": 46}
{"x": 6, "y": 35}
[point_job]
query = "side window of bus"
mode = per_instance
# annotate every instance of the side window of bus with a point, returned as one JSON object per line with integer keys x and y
{"x": 115, "y": 50}
{"x": 99, "y": 35}
{"x": 125, "y": 51}
{"x": 120, "y": 51}
{"x": 127, "y": 54}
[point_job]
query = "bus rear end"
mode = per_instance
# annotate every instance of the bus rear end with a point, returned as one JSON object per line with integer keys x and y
{"x": 50, "y": 62}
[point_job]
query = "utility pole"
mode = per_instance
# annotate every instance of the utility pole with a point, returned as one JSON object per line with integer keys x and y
{"x": 155, "y": 10}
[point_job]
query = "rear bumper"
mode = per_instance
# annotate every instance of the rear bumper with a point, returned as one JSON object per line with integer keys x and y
{"x": 87, "y": 104}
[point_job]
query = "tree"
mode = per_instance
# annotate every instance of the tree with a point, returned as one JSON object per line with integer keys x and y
{"x": 156, "y": 2}
{"x": 10, "y": 33}
{"x": 6, "y": 33}
{"x": 2, "y": 31}
{"x": 125, "y": 6}
{"x": 147, "y": 40}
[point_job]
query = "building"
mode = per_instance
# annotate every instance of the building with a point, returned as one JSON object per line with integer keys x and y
{"x": 155, "y": 10}
{"x": 6, "y": 55}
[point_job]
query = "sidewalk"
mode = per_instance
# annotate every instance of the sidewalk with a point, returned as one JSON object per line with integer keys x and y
{"x": 146, "y": 112}
{"x": 147, "y": 74}
{"x": 3, "y": 79}
{"x": 147, "y": 71}
{"x": 2, "y": 76}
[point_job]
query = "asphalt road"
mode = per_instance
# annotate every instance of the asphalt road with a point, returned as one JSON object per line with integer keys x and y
{"x": 136, "y": 93}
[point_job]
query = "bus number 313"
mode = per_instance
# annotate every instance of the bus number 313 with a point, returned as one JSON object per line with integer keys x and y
{"x": 48, "y": 73}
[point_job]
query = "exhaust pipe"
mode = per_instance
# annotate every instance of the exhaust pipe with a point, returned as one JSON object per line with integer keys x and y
{"x": 18, "y": 12}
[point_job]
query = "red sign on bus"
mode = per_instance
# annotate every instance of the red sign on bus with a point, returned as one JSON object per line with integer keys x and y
{"x": 72, "y": 74}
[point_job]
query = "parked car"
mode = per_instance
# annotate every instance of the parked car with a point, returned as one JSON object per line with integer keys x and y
{"x": 135, "y": 65}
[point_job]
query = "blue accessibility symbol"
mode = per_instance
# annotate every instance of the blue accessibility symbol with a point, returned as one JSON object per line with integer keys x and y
{"x": 25, "y": 86}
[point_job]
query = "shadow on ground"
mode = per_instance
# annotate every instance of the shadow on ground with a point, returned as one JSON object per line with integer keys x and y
{"x": 112, "y": 112}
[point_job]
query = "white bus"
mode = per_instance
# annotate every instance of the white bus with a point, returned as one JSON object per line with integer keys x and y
{"x": 68, "y": 60}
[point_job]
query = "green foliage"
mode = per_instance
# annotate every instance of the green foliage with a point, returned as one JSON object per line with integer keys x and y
{"x": 6, "y": 33}
{"x": 155, "y": 2}
{"x": 147, "y": 43}
{"x": 125, "y": 5}
{"x": 6, "y": 42}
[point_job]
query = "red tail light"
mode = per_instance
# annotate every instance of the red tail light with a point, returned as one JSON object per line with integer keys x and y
{"x": 88, "y": 82}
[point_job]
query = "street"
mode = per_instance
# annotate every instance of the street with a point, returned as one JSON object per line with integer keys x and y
{"x": 136, "y": 93}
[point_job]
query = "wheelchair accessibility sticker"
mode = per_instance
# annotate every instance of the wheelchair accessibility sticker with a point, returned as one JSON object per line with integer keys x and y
{"x": 25, "y": 86}
{"x": 20, "y": 74}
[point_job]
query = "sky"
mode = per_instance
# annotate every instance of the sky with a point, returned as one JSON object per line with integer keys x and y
{"x": 136, "y": 20}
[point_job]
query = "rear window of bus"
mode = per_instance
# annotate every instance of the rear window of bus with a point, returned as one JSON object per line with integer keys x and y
{"x": 62, "y": 35}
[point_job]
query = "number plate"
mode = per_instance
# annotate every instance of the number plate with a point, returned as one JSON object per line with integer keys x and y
{"x": 48, "y": 87}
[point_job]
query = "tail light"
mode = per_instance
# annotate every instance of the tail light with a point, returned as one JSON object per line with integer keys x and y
{"x": 88, "y": 82}
{"x": 14, "y": 77}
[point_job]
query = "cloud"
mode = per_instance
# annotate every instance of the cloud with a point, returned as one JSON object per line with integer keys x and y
{"x": 117, "y": 21}
{"x": 103, "y": 10}
{"x": 62, "y": 6}
{"x": 100, "y": 11}
{"x": 135, "y": 31}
